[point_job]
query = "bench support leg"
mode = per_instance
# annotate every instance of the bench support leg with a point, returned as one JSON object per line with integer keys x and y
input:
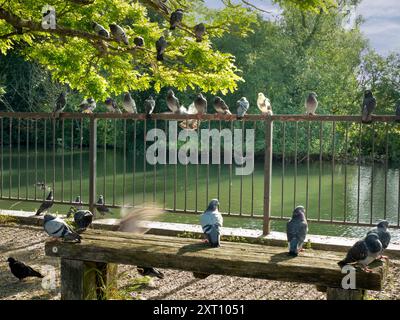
{"x": 342, "y": 294}
{"x": 84, "y": 280}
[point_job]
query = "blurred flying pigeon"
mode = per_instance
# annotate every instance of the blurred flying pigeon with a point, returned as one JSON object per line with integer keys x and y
{"x": 151, "y": 272}
{"x": 100, "y": 30}
{"x": 242, "y": 107}
{"x": 118, "y": 33}
{"x": 311, "y": 103}
{"x": 21, "y": 270}
{"x": 211, "y": 221}
{"x": 398, "y": 111}
{"x": 161, "y": 45}
{"x": 363, "y": 252}
{"x": 138, "y": 41}
{"x": 46, "y": 204}
{"x": 58, "y": 228}
{"x": 220, "y": 106}
{"x": 383, "y": 234}
{"x": 129, "y": 104}
{"x": 200, "y": 104}
{"x": 83, "y": 219}
{"x": 264, "y": 104}
{"x": 149, "y": 105}
{"x": 60, "y": 103}
{"x": 199, "y": 31}
{"x": 111, "y": 105}
{"x": 173, "y": 102}
{"x": 87, "y": 105}
{"x": 191, "y": 124}
{"x": 296, "y": 231}
{"x": 101, "y": 207}
{"x": 368, "y": 106}
{"x": 176, "y": 18}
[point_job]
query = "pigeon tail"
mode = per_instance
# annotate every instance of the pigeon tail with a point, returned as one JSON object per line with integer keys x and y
{"x": 34, "y": 273}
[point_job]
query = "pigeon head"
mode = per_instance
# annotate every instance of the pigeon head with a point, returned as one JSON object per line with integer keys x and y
{"x": 368, "y": 94}
{"x": 217, "y": 100}
{"x": 127, "y": 96}
{"x": 78, "y": 199}
{"x": 243, "y": 99}
{"x": 213, "y": 205}
{"x": 11, "y": 260}
{"x": 113, "y": 27}
{"x": 261, "y": 95}
{"x": 383, "y": 225}
{"x": 313, "y": 94}
{"x": 48, "y": 217}
{"x": 299, "y": 212}
{"x": 101, "y": 198}
{"x": 90, "y": 100}
{"x": 373, "y": 243}
{"x": 108, "y": 101}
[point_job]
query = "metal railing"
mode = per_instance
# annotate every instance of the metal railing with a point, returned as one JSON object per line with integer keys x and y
{"x": 335, "y": 166}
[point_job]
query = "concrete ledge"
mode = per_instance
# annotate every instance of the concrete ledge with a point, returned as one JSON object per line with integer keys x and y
{"x": 328, "y": 243}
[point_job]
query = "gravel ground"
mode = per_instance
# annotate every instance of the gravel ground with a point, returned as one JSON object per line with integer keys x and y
{"x": 27, "y": 244}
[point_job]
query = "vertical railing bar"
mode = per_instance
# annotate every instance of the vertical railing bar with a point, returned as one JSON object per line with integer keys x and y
{"x": 252, "y": 177}
{"x": 333, "y": 167}
{"x": 36, "y": 156}
{"x": 345, "y": 171}
{"x": 1, "y": 157}
{"x": 283, "y": 166}
{"x": 165, "y": 169}
{"x": 197, "y": 181}
{"x": 386, "y": 168}
{"x": 176, "y": 183}
{"x": 54, "y": 156}
{"x": 27, "y": 160}
{"x": 230, "y": 180}
{"x": 241, "y": 177}
{"x": 186, "y": 183}
{"x": 124, "y": 164}
{"x": 308, "y": 165}
{"x": 105, "y": 159}
{"x": 320, "y": 169}
{"x": 134, "y": 164}
{"x": 93, "y": 163}
{"x": 295, "y": 164}
{"x": 81, "y": 158}
{"x": 62, "y": 158}
{"x": 72, "y": 196}
{"x": 19, "y": 157}
{"x": 267, "y": 175}
{"x": 155, "y": 174}
{"x": 219, "y": 167}
{"x": 372, "y": 172}
{"x": 144, "y": 160}
{"x": 359, "y": 173}
{"x": 10, "y": 160}
{"x": 208, "y": 170}
{"x": 114, "y": 162}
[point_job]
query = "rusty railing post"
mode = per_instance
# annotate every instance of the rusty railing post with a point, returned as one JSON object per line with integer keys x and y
{"x": 92, "y": 163}
{"x": 267, "y": 176}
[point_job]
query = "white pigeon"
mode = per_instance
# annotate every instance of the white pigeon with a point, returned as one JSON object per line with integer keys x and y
{"x": 190, "y": 124}
{"x": 211, "y": 221}
{"x": 264, "y": 104}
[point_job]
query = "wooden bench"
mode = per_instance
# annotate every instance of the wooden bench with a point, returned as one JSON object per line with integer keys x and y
{"x": 103, "y": 250}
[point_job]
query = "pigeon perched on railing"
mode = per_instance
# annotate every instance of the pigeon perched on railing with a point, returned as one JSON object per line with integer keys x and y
{"x": 191, "y": 124}
{"x": 242, "y": 107}
{"x": 83, "y": 219}
{"x": 149, "y": 105}
{"x": 87, "y": 105}
{"x": 112, "y": 105}
{"x": 100, "y": 30}
{"x": 21, "y": 271}
{"x": 220, "y": 106}
{"x": 383, "y": 234}
{"x": 264, "y": 105}
{"x": 46, "y": 204}
{"x": 211, "y": 221}
{"x": 363, "y": 252}
{"x": 296, "y": 231}
{"x": 311, "y": 103}
{"x": 199, "y": 31}
{"x": 368, "y": 106}
{"x": 161, "y": 45}
{"x": 118, "y": 33}
{"x": 176, "y": 18}
{"x": 129, "y": 103}
{"x": 58, "y": 228}
{"x": 138, "y": 41}
{"x": 200, "y": 104}
{"x": 101, "y": 207}
{"x": 173, "y": 102}
{"x": 60, "y": 103}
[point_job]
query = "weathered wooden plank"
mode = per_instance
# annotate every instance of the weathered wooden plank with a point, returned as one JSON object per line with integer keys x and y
{"x": 341, "y": 294}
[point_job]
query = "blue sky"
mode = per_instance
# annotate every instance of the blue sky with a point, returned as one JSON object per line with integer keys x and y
{"x": 381, "y": 25}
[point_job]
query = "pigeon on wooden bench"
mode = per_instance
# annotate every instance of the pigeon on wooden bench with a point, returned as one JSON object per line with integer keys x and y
{"x": 363, "y": 252}
{"x": 46, "y": 204}
{"x": 21, "y": 270}
{"x": 383, "y": 235}
{"x": 211, "y": 222}
{"x": 58, "y": 228}
{"x": 296, "y": 231}
{"x": 83, "y": 219}
{"x": 101, "y": 207}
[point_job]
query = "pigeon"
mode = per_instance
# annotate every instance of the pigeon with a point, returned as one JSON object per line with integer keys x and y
{"x": 220, "y": 106}
{"x": 58, "y": 228}
{"x": 149, "y": 105}
{"x": 211, "y": 222}
{"x": 161, "y": 45}
{"x": 264, "y": 104}
{"x": 138, "y": 41}
{"x": 111, "y": 105}
{"x": 398, "y": 111}
{"x": 242, "y": 107}
{"x": 383, "y": 234}
{"x": 129, "y": 104}
{"x": 296, "y": 231}
{"x": 87, "y": 105}
{"x": 191, "y": 124}
{"x": 46, "y": 204}
{"x": 199, "y": 31}
{"x": 60, "y": 103}
{"x": 311, "y": 103}
{"x": 176, "y": 18}
{"x": 83, "y": 219}
{"x": 368, "y": 106}
{"x": 100, "y": 30}
{"x": 363, "y": 252}
{"x": 101, "y": 207}
{"x": 41, "y": 185}
{"x": 173, "y": 102}
{"x": 76, "y": 207}
{"x": 200, "y": 104}
{"x": 21, "y": 271}
{"x": 151, "y": 272}
{"x": 118, "y": 33}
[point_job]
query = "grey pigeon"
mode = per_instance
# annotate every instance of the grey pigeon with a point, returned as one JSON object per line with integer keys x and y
{"x": 58, "y": 228}
{"x": 87, "y": 105}
{"x": 46, "y": 204}
{"x": 264, "y": 105}
{"x": 149, "y": 105}
{"x": 101, "y": 207}
{"x": 151, "y": 272}
{"x": 60, "y": 103}
{"x": 200, "y": 104}
{"x": 176, "y": 18}
{"x": 100, "y": 30}
{"x": 138, "y": 41}
{"x": 296, "y": 231}
{"x": 383, "y": 234}
{"x": 161, "y": 45}
{"x": 118, "y": 33}
{"x": 83, "y": 219}
{"x": 129, "y": 104}
{"x": 363, "y": 252}
{"x": 311, "y": 103}
{"x": 211, "y": 221}
{"x": 173, "y": 102}
{"x": 21, "y": 271}
{"x": 242, "y": 107}
{"x": 111, "y": 105}
{"x": 398, "y": 111}
{"x": 220, "y": 106}
{"x": 199, "y": 31}
{"x": 368, "y": 106}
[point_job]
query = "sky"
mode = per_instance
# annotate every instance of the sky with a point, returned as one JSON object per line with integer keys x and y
{"x": 381, "y": 21}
